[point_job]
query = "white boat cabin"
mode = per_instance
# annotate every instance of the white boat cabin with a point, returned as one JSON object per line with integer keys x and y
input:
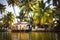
{"x": 21, "y": 26}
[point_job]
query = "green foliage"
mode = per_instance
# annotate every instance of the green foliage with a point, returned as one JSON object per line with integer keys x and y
{"x": 8, "y": 19}
{"x": 41, "y": 13}
{"x": 1, "y": 24}
{"x": 44, "y": 13}
{"x": 55, "y": 2}
{"x": 48, "y": 1}
{"x": 13, "y": 2}
{"x": 2, "y": 8}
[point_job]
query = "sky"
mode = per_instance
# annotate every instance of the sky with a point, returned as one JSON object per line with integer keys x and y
{"x": 9, "y": 8}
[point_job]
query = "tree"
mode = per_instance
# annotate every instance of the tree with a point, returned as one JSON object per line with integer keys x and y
{"x": 55, "y": 3}
{"x": 1, "y": 24}
{"x": 13, "y": 3}
{"x": 24, "y": 13}
{"x": 2, "y": 8}
{"x": 40, "y": 11}
{"x": 25, "y": 9}
{"x": 8, "y": 19}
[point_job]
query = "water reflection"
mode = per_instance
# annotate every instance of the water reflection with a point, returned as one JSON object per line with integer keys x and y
{"x": 29, "y": 36}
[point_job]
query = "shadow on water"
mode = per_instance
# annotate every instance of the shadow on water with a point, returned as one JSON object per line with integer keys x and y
{"x": 29, "y": 36}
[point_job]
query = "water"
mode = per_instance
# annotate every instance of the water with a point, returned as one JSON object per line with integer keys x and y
{"x": 29, "y": 36}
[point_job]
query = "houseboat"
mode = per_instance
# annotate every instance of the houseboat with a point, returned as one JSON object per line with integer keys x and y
{"x": 21, "y": 26}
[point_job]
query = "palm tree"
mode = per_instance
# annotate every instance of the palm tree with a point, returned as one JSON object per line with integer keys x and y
{"x": 44, "y": 13}
{"x": 36, "y": 7}
{"x": 41, "y": 13}
{"x": 55, "y": 3}
{"x": 2, "y": 8}
{"x": 8, "y": 19}
{"x": 28, "y": 3}
{"x": 24, "y": 12}
{"x": 13, "y": 3}
{"x": 25, "y": 9}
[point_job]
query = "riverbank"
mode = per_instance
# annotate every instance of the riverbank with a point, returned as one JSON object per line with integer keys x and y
{"x": 33, "y": 30}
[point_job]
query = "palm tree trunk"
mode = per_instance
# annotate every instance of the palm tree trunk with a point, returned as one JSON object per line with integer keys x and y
{"x": 14, "y": 13}
{"x": 1, "y": 11}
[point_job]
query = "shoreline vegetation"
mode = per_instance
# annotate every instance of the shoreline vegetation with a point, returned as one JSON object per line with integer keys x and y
{"x": 33, "y": 30}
